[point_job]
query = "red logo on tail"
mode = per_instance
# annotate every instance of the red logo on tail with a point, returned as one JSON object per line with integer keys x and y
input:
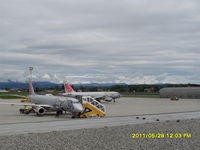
{"x": 30, "y": 88}
{"x": 68, "y": 88}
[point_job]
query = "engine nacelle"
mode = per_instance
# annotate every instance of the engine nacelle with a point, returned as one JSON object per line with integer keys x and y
{"x": 49, "y": 94}
{"x": 108, "y": 99}
{"x": 39, "y": 110}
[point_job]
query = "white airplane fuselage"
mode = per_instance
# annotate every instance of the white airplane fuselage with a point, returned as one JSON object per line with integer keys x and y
{"x": 57, "y": 103}
{"x": 107, "y": 96}
{"x": 102, "y": 95}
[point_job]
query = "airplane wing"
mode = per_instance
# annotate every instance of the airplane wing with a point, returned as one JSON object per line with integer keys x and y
{"x": 25, "y": 104}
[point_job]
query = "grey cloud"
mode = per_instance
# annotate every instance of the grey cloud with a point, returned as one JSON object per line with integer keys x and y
{"x": 154, "y": 40}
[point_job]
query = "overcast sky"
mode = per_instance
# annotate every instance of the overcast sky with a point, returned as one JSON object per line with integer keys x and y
{"x": 129, "y": 41}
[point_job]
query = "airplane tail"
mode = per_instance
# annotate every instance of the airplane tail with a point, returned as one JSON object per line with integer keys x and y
{"x": 68, "y": 88}
{"x": 30, "y": 88}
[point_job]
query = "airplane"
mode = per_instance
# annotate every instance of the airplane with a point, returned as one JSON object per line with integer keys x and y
{"x": 44, "y": 103}
{"x": 106, "y": 96}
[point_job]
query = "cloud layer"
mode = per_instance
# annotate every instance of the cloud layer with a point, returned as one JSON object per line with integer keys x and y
{"x": 131, "y": 41}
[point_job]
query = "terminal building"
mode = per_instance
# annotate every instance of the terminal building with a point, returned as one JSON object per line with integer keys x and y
{"x": 182, "y": 92}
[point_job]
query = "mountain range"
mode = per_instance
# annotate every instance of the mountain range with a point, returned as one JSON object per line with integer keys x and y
{"x": 46, "y": 84}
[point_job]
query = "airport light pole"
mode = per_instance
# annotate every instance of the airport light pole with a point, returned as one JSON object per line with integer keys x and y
{"x": 31, "y": 70}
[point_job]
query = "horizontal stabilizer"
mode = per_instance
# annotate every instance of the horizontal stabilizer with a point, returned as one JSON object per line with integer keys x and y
{"x": 20, "y": 96}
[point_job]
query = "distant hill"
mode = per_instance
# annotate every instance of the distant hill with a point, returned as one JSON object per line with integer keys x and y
{"x": 46, "y": 84}
{"x": 43, "y": 84}
{"x": 20, "y": 85}
{"x": 9, "y": 84}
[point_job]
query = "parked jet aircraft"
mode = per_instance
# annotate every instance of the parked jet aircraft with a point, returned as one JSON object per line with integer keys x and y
{"x": 43, "y": 103}
{"x": 107, "y": 96}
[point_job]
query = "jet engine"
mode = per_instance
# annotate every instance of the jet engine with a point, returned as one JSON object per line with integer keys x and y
{"x": 108, "y": 99}
{"x": 39, "y": 110}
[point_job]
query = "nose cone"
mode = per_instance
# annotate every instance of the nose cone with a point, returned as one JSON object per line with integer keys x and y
{"x": 117, "y": 95}
{"x": 78, "y": 108}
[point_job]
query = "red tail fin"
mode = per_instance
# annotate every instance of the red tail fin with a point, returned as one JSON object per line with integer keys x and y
{"x": 68, "y": 88}
{"x": 30, "y": 88}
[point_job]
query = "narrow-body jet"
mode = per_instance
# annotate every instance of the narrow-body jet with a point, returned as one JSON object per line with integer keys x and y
{"x": 44, "y": 103}
{"x": 106, "y": 96}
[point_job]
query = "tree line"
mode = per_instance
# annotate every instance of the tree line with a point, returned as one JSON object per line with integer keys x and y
{"x": 119, "y": 88}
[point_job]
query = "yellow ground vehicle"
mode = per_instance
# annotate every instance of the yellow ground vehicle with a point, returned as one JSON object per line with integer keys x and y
{"x": 174, "y": 98}
{"x": 26, "y": 110}
{"x": 25, "y": 100}
{"x": 92, "y": 108}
